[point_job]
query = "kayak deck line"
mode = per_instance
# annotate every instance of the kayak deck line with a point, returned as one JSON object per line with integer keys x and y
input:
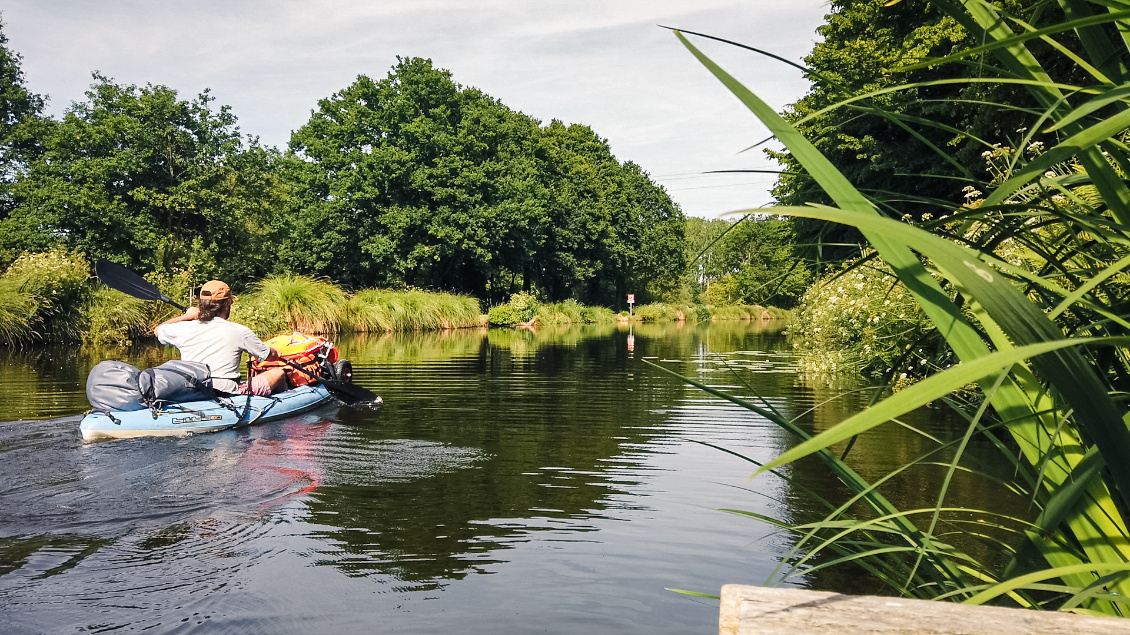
{"x": 194, "y": 417}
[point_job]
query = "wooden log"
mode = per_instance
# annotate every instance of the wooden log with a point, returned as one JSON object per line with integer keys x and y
{"x": 751, "y": 610}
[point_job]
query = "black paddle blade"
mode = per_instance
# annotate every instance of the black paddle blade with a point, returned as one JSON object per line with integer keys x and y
{"x": 349, "y": 394}
{"x": 121, "y": 279}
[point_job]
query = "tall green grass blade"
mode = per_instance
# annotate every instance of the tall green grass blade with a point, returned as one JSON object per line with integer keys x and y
{"x": 1030, "y": 579}
{"x": 1094, "y": 39}
{"x": 1082, "y": 520}
{"x": 983, "y": 20}
{"x": 1022, "y": 321}
{"x": 1115, "y": 95}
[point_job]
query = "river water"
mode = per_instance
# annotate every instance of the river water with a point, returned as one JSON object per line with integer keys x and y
{"x": 513, "y": 482}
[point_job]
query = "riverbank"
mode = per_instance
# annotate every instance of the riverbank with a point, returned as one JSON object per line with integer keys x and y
{"x": 50, "y": 297}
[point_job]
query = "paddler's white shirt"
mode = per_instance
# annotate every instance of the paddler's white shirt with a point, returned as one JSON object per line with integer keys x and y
{"x": 218, "y": 343}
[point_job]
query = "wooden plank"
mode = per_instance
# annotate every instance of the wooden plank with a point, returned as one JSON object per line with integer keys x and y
{"x": 751, "y": 610}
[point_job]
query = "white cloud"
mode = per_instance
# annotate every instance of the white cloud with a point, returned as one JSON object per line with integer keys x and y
{"x": 599, "y": 62}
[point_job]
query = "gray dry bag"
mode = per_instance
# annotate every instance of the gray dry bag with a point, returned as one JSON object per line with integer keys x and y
{"x": 112, "y": 385}
{"x": 176, "y": 380}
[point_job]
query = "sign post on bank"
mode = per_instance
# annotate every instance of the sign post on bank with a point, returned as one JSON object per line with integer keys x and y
{"x": 631, "y": 301}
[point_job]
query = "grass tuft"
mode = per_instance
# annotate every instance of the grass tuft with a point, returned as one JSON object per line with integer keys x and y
{"x": 291, "y": 302}
{"x": 42, "y": 295}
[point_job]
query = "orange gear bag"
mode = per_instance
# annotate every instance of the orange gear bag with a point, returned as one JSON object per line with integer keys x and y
{"x": 300, "y": 350}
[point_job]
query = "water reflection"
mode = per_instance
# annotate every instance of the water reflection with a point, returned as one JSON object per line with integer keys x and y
{"x": 552, "y": 460}
{"x": 511, "y": 436}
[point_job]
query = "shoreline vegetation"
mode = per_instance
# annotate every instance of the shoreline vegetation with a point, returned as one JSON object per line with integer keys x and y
{"x": 51, "y": 297}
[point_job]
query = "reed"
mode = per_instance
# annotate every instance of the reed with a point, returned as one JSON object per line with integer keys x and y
{"x": 292, "y": 302}
{"x": 748, "y": 312}
{"x": 17, "y": 315}
{"x": 114, "y": 318}
{"x": 1043, "y": 336}
{"x": 41, "y": 297}
{"x": 379, "y": 310}
{"x": 663, "y": 312}
{"x": 573, "y": 312}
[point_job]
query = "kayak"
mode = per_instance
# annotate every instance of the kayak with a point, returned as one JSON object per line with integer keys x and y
{"x": 201, "y": 416}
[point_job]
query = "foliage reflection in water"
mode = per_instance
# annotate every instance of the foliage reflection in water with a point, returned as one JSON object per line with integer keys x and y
{"x": 512, "y": 479}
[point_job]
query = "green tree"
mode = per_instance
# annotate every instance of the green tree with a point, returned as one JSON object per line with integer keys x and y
{"x": 923, "y": 137}
{"x": 412, "y": 180}
{"x": 703, "y": 265}
{"x": 415, "y": 180}
{"x": 21, "y": 123}
{"x": 759, "y": 256}
{"x": 156, "y": 183}
{"x": 750, "y": 261}
{"x": 612, "y": 230}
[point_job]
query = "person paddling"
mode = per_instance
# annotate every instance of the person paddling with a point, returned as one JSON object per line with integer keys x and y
{"x": 204, "y": 334}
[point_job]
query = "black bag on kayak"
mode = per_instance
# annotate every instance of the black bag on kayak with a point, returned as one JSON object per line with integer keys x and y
{"x": 175, "y": 380}
{"x": 112, "y": 385}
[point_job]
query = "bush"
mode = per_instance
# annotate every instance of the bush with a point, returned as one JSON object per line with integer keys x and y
{"x": 113, "y": 317}
{"x": 521, "y": 308}
{"x": 656, "y": 312}
{"x": 567, "y": 312}
{"x": 597, "y": 315}
{"x": 857, "y": 319}
{"x": 748, "y": 312}
{"x": 42, "y": 295}
{"x": 663, "y": 312}
{"x": 573, "y": 312}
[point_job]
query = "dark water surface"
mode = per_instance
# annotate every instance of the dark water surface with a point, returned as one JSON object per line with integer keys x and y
{"x": 512, "y": 483}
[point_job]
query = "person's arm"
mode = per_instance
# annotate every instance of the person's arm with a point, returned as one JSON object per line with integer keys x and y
{"x": 191, "y": 313}
{"x": 257, "y": 348}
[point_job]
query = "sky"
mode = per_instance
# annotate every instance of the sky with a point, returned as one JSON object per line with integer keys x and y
{"x": 608, "y": 64}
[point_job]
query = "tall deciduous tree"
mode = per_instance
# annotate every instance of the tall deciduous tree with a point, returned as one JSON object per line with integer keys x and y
{"x": 865, "y": 43}
{"x": 154, "y": 182}
{"x": 413, "y": 180}
{"x": 21, "y": 123}
{"x": 416, "y": 180}
{"x": 751, "y": 261}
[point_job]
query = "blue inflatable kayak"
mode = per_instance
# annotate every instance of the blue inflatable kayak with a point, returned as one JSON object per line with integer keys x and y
{"x": 201, "y": 416}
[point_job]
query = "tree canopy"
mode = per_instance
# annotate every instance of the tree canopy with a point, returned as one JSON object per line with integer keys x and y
{"x": 20, "y": 122}
{"x": 415, "y": 180}
{"x": 750, "y": 261}
{"x": 928, "y": 133}
{"x": 154, "y": 182}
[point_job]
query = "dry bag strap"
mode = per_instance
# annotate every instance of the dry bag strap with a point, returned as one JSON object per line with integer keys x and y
{"x": 199, "y": 386}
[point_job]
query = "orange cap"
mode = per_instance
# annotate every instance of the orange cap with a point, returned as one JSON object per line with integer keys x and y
{"x": 215, "y": 290}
